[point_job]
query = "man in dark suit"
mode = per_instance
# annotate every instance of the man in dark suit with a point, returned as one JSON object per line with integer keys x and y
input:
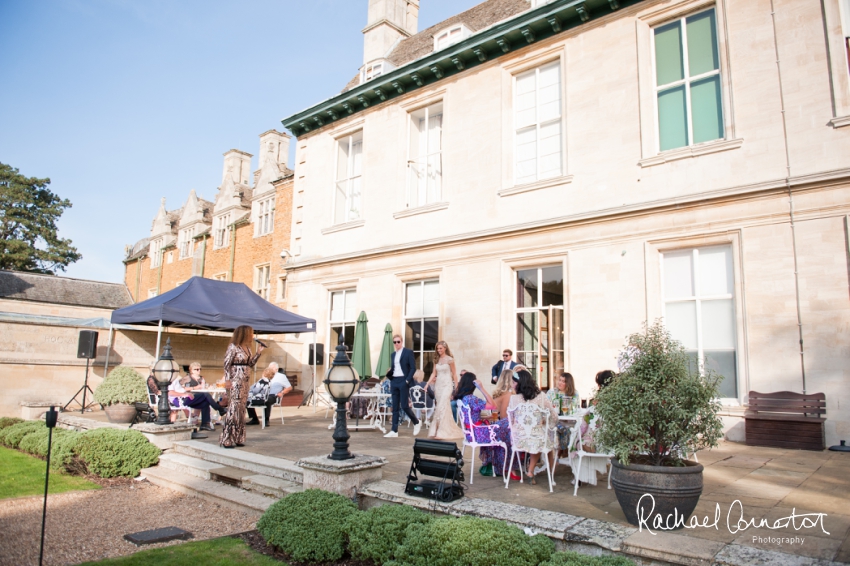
{"x": 505, "y": 363}
{"x": 402, "y": 368}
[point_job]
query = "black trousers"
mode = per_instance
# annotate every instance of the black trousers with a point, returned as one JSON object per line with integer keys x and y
{"x": 399, "y": 391}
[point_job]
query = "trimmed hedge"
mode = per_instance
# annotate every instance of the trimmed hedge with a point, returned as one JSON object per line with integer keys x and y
{"x": 122, "y": 385}
{"x": 109, "y": 452}
{"x": 576, "y": 559}
{"x": 377, "y": 534}
{"x": 9, "y": 421}
{"x": 11, "y": 436}
{"x": 308, "y": 526}
{"x": 61, "y": 450}
{"x": 472, "y": 541}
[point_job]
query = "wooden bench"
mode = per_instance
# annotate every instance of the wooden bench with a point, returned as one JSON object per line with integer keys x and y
{"x": 786, "y": 420}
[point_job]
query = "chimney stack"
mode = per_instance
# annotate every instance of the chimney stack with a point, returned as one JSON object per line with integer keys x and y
{"x": 389, "y": 21}
{"x": 238, "y": 164}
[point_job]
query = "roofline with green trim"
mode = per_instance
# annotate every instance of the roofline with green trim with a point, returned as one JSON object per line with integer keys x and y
{"x": 490, "y": 43}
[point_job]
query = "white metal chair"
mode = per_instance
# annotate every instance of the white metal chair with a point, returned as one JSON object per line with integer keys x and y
{"x": 418, "y": 403}
{"x": 469, "y": 428}
{"x": 576, "y": 450}
{"x": 261, "y": 412}
{"x": 530, "y": 433}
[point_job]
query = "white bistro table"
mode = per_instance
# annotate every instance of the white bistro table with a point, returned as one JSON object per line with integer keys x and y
{"x": 374, "y": 418}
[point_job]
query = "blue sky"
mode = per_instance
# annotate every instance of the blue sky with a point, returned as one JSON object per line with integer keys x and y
{"x": 121, "y": 102}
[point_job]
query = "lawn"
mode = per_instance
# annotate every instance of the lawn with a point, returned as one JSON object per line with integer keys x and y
{"x": 22, "y": 475}
{"x": 216, "y": 552}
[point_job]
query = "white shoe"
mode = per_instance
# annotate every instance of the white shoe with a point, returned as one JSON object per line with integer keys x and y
{"x": 416, "y": 428}
{"x": 391, "y": 434}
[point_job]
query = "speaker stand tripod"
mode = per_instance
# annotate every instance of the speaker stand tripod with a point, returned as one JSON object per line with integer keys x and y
{"x": 85, "y": 388}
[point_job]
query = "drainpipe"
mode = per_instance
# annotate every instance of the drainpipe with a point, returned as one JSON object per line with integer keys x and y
{"x": 138, "y": 277}
{"x": 232, "y": 250}
{"x": 203, "y": 254}
{"x": 790, "y": 196}
{"x": 159, "y": 271}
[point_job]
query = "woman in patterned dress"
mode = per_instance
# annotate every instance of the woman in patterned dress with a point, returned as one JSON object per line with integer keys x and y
{"x": 237, "y": 360}
{"x": 494, "y": 455}
{"x": 564, "y": 396}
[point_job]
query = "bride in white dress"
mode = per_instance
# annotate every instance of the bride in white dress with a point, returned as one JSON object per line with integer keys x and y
{"x": 443, "y": 381}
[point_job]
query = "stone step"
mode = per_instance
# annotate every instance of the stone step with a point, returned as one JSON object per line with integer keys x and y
{"x": 236, "y": 458}
{"x": 272, "y": 487}
{"x": 216, "y": 492}
{"x": 229, "y": 475}
{"x": 187, "y": 464}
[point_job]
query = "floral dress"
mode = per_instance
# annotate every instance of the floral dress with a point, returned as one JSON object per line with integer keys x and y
{"x": 489, "y": 454}
{"x": 570, "y": 405}
{"x": 237, "y": 360}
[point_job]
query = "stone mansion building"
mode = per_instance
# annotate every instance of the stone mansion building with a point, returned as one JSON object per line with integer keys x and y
{"x": 546, "y": 176}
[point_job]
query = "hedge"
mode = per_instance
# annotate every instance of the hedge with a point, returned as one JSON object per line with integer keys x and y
{"x": 109, "y": 452}
{"x": 378, "y": 533}
{"x": 11, "y": 436}
{"x": 308, "y": 526}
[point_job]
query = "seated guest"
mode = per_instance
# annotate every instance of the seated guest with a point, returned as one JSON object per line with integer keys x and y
{"x": 505, "y": 387}
{"x": 464, "y": 387}
{"x": 492, "y": 457}
{"x": 197, "y": 381}
{"x": 527, "y": 391}
{"x": 565, "y": 398}
{"x": 180, "y": 397}
{"x": 278, "y": 387}
{"x": 588, "y": 425}
{"x": 419, "y": 378}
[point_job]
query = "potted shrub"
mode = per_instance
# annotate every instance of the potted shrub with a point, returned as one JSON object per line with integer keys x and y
{"x": 655, "y": 414}
{"x": 117, "y": 393}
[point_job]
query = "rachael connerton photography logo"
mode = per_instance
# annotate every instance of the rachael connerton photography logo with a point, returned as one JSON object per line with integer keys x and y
{"x": 736, "y": 521}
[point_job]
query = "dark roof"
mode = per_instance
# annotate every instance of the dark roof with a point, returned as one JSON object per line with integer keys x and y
{"x": 476, "y": 18}
{"x": 206, "y": 304}
{"x": 37, "y": 287}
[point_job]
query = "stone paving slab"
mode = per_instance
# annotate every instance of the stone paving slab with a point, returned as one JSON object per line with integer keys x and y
{"x": 610, "y": 536}
{"x": 670, "y": 547}
{"x": 736, "y": 555}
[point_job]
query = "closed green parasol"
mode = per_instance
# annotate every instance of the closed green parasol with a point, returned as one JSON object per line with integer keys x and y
{"x": 361, "y": 359}
{"x": 386, "y": 352}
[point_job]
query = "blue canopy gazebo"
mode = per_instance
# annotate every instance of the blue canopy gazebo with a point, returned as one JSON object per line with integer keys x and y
{"x": 207, "y": 304}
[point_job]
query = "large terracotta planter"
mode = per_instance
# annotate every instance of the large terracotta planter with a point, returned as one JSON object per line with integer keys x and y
{"x": 675, "y": 492}
{"x": 120, "y": 413}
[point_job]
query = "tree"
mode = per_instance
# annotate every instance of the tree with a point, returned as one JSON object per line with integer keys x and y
{"x": 28, "y": 214}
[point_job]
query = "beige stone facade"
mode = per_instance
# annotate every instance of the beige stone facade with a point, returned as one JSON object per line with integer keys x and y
{"x": 618, "y": 212}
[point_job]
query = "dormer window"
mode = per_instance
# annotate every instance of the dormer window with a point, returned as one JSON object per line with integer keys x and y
{"x": 184, "y": 242}
{"x": 375, "y": 69}
{"x": 221, "y": 231}
{"x": 155, "y": 252}
{"x": 451, "y": 36}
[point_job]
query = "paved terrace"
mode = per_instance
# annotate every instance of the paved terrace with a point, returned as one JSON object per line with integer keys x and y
{"x": 770, "y": 483}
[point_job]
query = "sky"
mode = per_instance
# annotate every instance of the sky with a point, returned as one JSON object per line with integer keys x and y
{"x": 122, "y": 102}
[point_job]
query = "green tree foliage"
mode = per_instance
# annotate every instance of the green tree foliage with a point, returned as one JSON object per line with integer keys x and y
{"x": 28, "y": 214}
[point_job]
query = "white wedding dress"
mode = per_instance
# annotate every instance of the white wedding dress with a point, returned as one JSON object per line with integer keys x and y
{"x": 443, "y": 425}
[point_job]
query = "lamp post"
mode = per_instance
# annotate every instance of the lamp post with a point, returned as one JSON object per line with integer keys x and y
{"x": 164, "y": 370}
{"x": 340, "y": 381}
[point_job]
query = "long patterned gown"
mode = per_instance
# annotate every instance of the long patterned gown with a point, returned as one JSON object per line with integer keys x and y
{"x": 443, "y": 426}
{"x": 237, "y": 362}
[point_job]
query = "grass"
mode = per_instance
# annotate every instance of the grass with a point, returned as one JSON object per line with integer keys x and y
{"x": 216, "y": 552}
{"x": 23, "y": 475}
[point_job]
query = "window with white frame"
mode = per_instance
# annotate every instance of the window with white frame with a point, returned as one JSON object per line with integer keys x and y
{"x": 265, "y": 217}
{"x": 540, "y": 321}
{"x": 687, "y": 81}
{"x": 425, "y": 167}
{"x": 281, "y": 288}
{"x": 450, "y": 36}
{"x": 221, "y": 231}
{"x": 422, "y": 321}
{"x": 220, "y": 277}
{"x": 699, "y": 309}
{"x": 185, "y": 242}
{"x": 373, "y": 70}
{"x": 156, "y": 251}
{"x": 152, "y": 293}
{"x": 343, "y": 317}
{"x": 349, "y": 167}
{"x": 262, "y": 278}
{"x": 537, "y": 119}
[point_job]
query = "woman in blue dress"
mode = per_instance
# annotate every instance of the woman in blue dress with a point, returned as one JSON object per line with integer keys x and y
{"x": 493, "y": 455}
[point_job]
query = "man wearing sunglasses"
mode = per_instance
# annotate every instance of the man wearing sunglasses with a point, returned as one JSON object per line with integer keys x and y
{"x": 505, "y": 363}
{"x": 402, "y": 368}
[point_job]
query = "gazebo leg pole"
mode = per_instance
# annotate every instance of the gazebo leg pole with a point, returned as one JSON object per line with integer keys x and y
{"x": 315, "y": 393}
{"x": 108, "y": 350}
{"x": 158, "y": 340}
